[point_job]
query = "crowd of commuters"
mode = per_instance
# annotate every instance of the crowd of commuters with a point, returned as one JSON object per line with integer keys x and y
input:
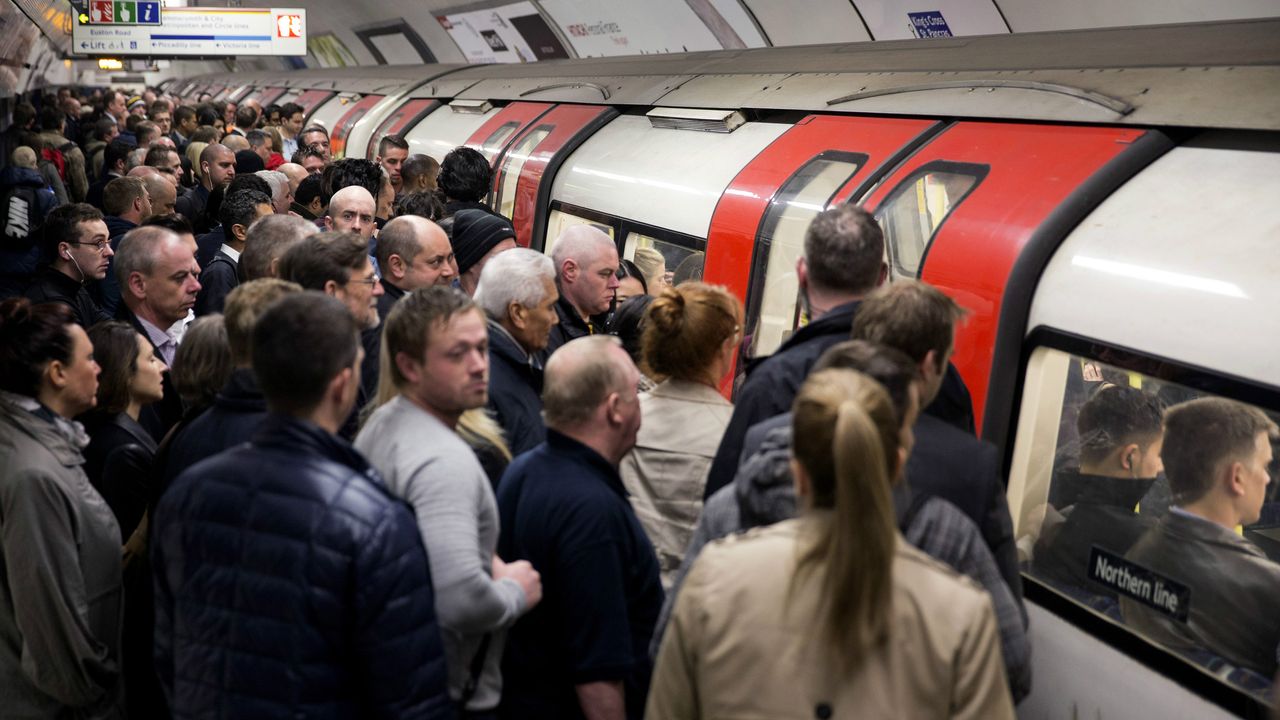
{"x": 289, "y": 435}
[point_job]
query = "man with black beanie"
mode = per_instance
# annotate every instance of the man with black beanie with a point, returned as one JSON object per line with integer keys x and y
{"x": 477, "y": 236}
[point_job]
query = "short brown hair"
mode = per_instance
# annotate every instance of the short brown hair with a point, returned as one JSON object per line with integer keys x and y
{"x": 120, "y": 193}
{"x": 203, "y": 362}
{"x": 115, "y": 348}
{"x": 684, "y": 328}
{"x": 844, "y": 250}
{"x": 268, "y": 239}
{"x": 244, "y": 304}
{"x": 324, "y": 257}
{"x": 911, "y": 316}
{"x": 1202, "y": 434}
{"x": 412, "y": 319}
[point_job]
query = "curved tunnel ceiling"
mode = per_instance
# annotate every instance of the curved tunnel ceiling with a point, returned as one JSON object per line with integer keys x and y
{"x": 340, "y": 32}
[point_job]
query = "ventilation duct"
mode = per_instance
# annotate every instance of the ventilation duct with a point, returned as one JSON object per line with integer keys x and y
{"x": 720, "y": 121}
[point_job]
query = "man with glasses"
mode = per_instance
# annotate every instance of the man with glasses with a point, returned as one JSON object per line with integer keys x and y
{"x": 338, "y": 264}
{"x": 79, "y": 249}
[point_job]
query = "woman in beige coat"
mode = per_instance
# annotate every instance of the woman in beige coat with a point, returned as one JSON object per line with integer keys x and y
{"x": 832, "y": 614}
{"x": 690, "y": 335}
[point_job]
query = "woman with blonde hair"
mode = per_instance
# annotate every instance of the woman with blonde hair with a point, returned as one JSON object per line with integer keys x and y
{"x": 688, "y": 340}
{"x": 832, "y": 614}
{"x": 194, "y": 149}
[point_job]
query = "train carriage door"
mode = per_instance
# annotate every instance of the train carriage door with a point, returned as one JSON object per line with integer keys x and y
{"x": 310, "y": 100}
{"x": 757, "y": 230}
{"x": 338, "y": 138}
{"x": 495, "y": 135}
{"x": 410, "y": 113}
{"x": 266, "y": 96}
{"x": 958, "y": 212}
{"x": 519, "y": 187}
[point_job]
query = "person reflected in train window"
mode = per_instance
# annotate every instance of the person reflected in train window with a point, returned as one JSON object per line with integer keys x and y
{"x": 653, "y": 268}
{"x": 843, "y": 261}
{"x": 465, "y": 179}
{"x": 921, "y": 321}
{"x": 1119, "y": 458}
{"x": 478, "y": 237}
{"x": 1215, "y": 454}
{"x": 60, "y": 544}
{"x": 315, "y": 136}
{"x": 631, "y": 281}
{"x": 582, "y": 652}
{"x": 586, "y": 274}
{"x": 311, "y": 159}
{"x": 310, "y": 201}
{"x": 392, "y": 151}
{"x": 120, "y": 451}
{"x": 418, "y": 174}
{"x": 691, "y": 335}
{"x": 837, "y": 592}
{"x": 517, "y": 292}
{"x": 351, "y": 209}
{"x": 423, "y": 203}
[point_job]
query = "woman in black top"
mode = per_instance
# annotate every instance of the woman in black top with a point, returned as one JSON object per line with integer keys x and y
{"x": 118, "y": 459}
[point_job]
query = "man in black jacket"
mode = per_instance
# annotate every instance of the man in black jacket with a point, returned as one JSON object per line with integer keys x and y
{"x": 79, "y": 250}
{"x": 217, "y": 169}
{"x": 294, "y": 516}
{"x": 125, "y": 203}
{"x": 517, "y": 292}
{"x": 221, "y": 276}
{"x": 843, "y": 261}
{"x": 946, "y": 462}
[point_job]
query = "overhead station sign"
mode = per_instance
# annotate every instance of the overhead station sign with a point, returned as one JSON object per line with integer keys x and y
{"x": 125, "y": 27}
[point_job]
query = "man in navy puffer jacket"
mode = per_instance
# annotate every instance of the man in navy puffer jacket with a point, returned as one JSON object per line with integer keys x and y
{"x": 288, "y": 581}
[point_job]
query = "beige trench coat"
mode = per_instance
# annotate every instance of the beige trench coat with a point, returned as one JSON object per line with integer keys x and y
{"x": 738, "y": 647}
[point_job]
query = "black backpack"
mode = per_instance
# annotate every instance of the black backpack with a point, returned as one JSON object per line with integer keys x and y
{"x": 21, "y": 218}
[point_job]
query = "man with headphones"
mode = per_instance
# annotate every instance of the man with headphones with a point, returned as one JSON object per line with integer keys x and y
{"x": 77, "y": 248}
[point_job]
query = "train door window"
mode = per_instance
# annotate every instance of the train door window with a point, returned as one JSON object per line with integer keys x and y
{"x": 774, "y": 300}
{"x": 328, "y": 114}
{"x": 240, "y": 93}
{"x": 510, "y": 173}
{"x": 497, "y": 140}
{"x": 338, "y": 138}
{"x": 310, "y": 99}
{"x": 400, "y": 121}
{"x": 665, "y": 261}
{"x": 564, "y": 216}
{"x": 912, "y": 214}
{"x": 1108, "y": 496}
{"x": 288, "y": 97}
{"x": 269, "y": 95}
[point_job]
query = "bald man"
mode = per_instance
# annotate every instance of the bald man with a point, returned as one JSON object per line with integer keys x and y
{"x": 351, "y": 209}
{"x": 413, "y": 253}
{"x": 164, "y": 196}
{"x": 586, "y": 273}
{"x": 581, "y": 652}
{"x": 295, "y": 172}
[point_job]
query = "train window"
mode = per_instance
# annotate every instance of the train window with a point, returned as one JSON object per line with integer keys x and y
{"x": 913, "y": 212}
{"x": 338, "y": 138}
{"x": 1118, "y": 510}
{"x": 662, "y": 261}
{"x": 498, "y": 139}
{"x": 561, "y": 220}
{"x": 512, "y": 166}
{"x": 774, "y": 300}
{"x": 400, "y": 121}
{"x": 288, "y": 97}
{"x": 442, "y": 131}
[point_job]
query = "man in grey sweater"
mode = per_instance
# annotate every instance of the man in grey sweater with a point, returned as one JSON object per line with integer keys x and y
{"x": 437, "y": 351}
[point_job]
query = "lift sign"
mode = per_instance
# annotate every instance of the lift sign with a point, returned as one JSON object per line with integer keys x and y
{"x": 929, "y": 24}
{"x": 1139, "y": 584}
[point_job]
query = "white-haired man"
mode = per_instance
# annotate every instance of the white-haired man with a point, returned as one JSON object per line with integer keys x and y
{"x": 517, "y": 292}
{"x": 586, "y": 262}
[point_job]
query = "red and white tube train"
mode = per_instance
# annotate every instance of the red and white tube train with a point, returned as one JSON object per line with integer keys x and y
{"x": 1103, "y": 202}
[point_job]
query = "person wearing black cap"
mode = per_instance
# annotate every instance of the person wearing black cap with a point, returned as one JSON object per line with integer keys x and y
{"x": 478, "y": 235}
{"x": 247, "y": 161}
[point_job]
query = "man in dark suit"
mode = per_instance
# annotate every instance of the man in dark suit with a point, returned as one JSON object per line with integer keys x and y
{"x": 920, "y": 320}
{"x": 159, "y": 282}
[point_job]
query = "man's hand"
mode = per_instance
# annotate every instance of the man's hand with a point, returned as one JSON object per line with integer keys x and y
{"x": 524, "y": 574}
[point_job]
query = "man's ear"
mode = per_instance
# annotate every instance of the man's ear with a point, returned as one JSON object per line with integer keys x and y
{"x": 395, "y": 266}
{"x": 569, "y": 270}
{"x": 331, "y": 288}
{"x": 1129, "y": 456}
{"x": 409, "y": 369}
{"x": 1234, "y": 477}
{"x": 929, "y": 364}
{"x": 884, "y": 274}
{"x": 137, "y": 284}
{"x": 328, "y": 223}
{"x": 518, "y": 314}
{"x": 239, "y": 232}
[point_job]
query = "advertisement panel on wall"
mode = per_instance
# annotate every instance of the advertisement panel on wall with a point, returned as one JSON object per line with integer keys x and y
{"x": 507, "y": 34}
{"x": 198, "y": 31}
{"x": 599, "y": 28}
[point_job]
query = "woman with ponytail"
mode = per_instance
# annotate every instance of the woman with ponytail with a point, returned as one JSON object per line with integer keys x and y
{"x": 832, "y": 614}
{"x": 59, "y": 544}
{"x": 690, "y": 335}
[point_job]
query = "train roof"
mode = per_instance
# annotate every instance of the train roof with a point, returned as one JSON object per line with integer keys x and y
{"x": 1206, "y": 75}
